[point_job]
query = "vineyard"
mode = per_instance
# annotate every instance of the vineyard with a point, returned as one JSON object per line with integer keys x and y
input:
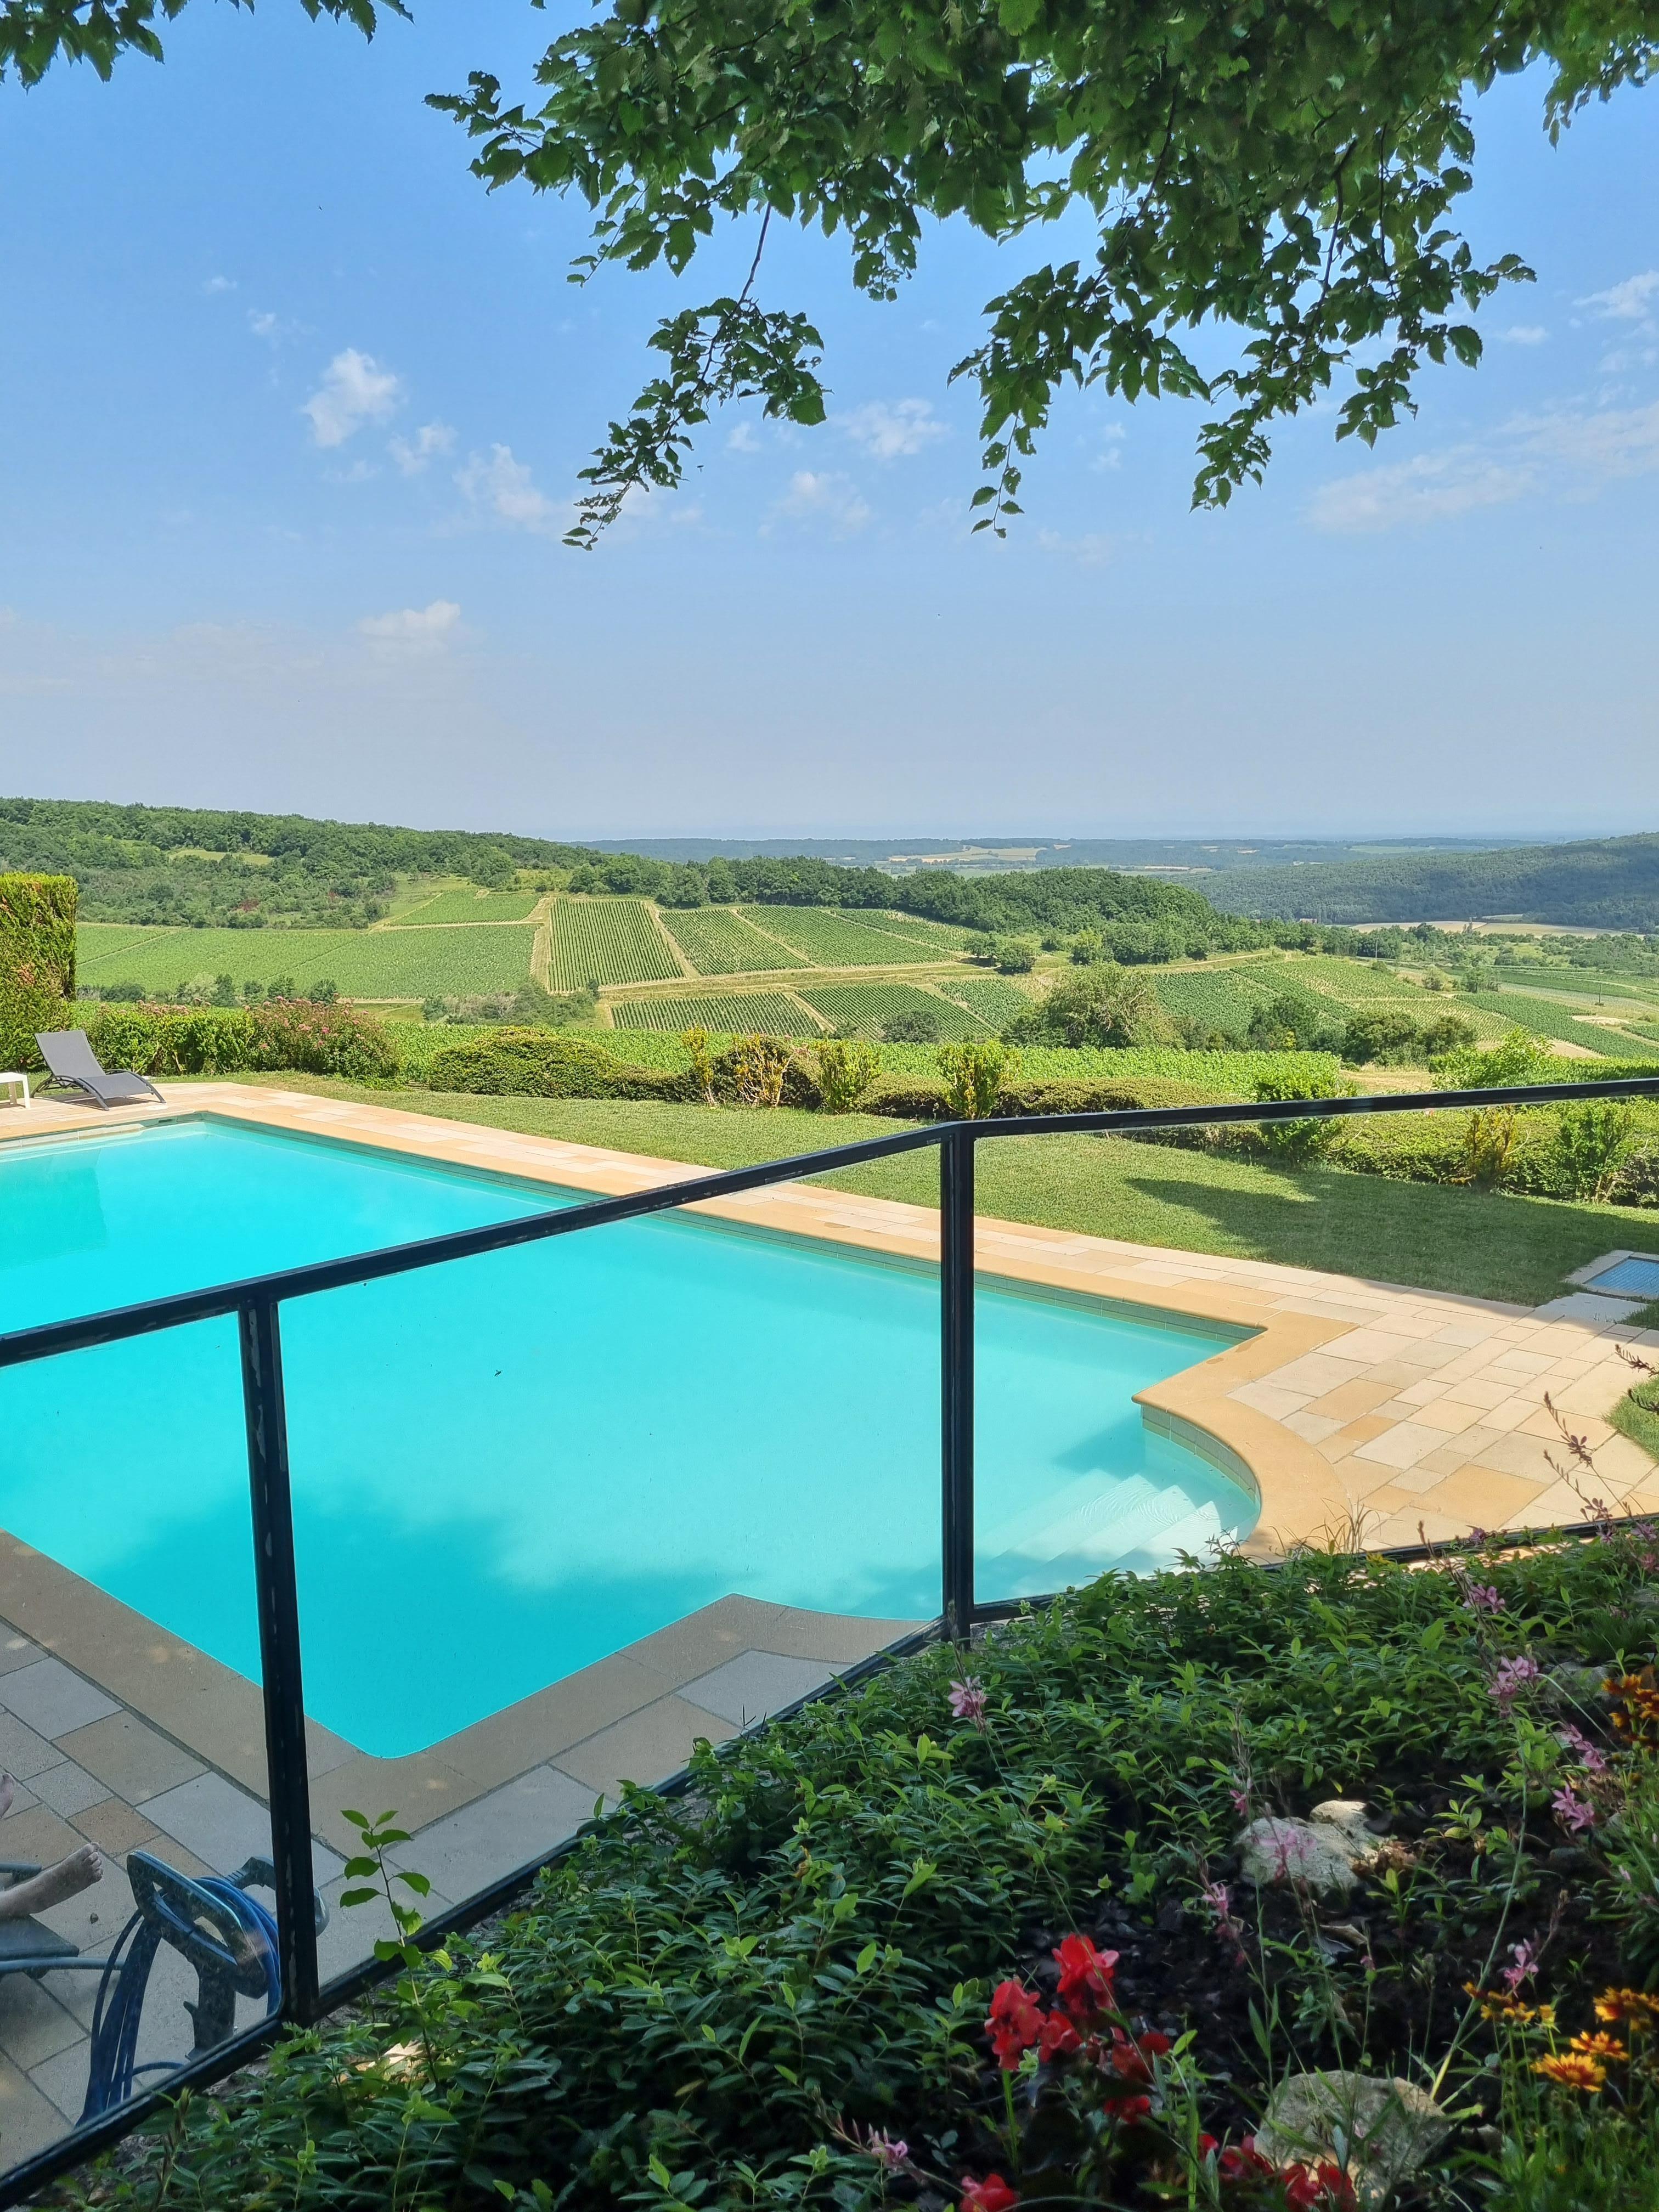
{"x": 607, "y": 941}
{"x": 829, "y": 939}
{"x": 739, "y": 1010}
{"x": 361, "y": 963}
{"x": 718, "y": 942}
{"x": 992, "y": 998}
{"x": 1520, "y": 1010}
{"x": 873, "y": 1006}
{"x": 468, "y": 906}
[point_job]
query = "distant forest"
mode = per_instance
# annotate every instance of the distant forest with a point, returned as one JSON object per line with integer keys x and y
{"x": 1610, "y": 883}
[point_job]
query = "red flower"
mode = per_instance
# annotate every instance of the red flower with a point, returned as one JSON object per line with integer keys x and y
{"x": 1086, "y": 1976}
{"x": 1060, "y": 2038}
{"x": 1320, "y": 2188}
{"x": 1130, "y": 2056}
{"x": 1014, "y": 2024}
{"x": 1244, "y": 2162}
{"x": 991, "y": 2195}
{"x": 1207, "y": 2144}
{"x": 1125, "y": 2109}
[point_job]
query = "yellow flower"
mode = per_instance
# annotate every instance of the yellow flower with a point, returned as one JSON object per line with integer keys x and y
{"x": 1573, "y": 2070}
{"x": 1635, "y": 2005}
{"x": 1600, "y": 2046}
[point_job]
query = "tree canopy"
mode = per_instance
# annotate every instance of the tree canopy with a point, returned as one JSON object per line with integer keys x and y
{"x": 1283, "y": 170}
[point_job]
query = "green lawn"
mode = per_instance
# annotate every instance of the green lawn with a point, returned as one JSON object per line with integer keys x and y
{"x": 1517, "y": 1249}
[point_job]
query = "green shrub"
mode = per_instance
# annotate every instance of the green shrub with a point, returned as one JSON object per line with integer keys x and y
{"x": 907, "y": 1098}
{"x": 1297, "y": 1141}
{"x": 537, "y": 1064}
{"x": 293, "y": 1034}
{"x": 1520, "y": 1059}
{"x": 844, "y": 1070}
{"x": 37, "y": 963}
{"x": 1098, "y": 1004}
{"x": 1637, "y": 1183}
{"x": 1592, "y": 1140}
{"x": 1391, "y": 1038}
{"x": 331, "y": 1038}
{"x": 972, "y": 1074}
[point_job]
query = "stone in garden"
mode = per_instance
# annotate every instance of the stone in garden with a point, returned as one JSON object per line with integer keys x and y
{"x": 1384, "y": 2131}
{"x": 1320, "y": 1850}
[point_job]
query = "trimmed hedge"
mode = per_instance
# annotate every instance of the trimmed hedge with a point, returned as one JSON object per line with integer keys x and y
{"x": 36, "y": 961}
{"x": 536, "y": 1064}
{"x": 292, "y": 1034}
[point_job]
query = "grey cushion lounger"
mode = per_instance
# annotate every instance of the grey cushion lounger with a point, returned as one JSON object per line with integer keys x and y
{"x": 74, "y": 1066}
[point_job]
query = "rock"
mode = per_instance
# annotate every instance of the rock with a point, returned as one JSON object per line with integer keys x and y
{"x": 1572, "y": 1858}
{"x": 1321, "y": 1851}
{"x": 1381, "y": 2130}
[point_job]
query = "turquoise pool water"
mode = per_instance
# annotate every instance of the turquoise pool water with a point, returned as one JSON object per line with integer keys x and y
{"x": 506, "y": 1468}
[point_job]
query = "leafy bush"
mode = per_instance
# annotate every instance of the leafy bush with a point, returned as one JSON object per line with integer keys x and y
{"x": 1100, "y": 1004}
{"x": 1592, "y": 1141}
{"x": 1520, "y": 1059}
{"x": 37, "y": 963}
{"x": 845, "y": 1071}
{"x": 973, "y": 1075}
{"x": 913, "y": 1025}
{"x": 1489, "y": 1145}
{"x": 1637, "y": 1183}
{"x": 310, "y": 1039}
{"x": 537, "y": 1064}
{"x": 1291, "y": 1021}
{"x": 1009, "y": 956}
{"x": 1391, "y": 1038}
{"x": 1299, "y": 1139}
{"x": 764, "y": 1996}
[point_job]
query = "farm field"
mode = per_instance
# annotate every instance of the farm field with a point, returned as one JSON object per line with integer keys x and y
{"x": 467, "y": 905}
{"x": 361, "y": 963}
{"x": 993, "y": 998}
{"x": 826, "y": 938}
{"x": 1523, "y": 1009}
{"x": 718, "y": 942}
{"x": 611, "y": 940}
{"x": 737, "y": 1013}
{"x": 872, "y": 1004}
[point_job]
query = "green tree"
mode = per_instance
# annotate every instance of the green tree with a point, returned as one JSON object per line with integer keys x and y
{"x": 1102, "y": 1004}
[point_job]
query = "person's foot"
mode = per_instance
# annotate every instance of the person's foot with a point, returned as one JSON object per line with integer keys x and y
{"x": 53, "y": 1884}
{"x": 8, "y": 1791}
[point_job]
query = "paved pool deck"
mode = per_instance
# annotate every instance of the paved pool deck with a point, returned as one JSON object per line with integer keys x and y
{"x": 1348, "y": 1407}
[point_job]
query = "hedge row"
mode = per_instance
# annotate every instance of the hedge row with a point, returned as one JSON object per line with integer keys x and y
{"x": 36, "y": 961}
{"x": 289, "y": 1033}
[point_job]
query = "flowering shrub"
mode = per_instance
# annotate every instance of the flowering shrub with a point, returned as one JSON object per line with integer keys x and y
{"x": 285, "y": 1033}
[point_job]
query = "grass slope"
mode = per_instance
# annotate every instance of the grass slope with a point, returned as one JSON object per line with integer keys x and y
{"x": 364, "y": 964}
{"x": 1423, "y": 1234}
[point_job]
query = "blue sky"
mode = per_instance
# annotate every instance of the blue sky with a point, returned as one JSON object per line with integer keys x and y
{"x": 294, "y": 409}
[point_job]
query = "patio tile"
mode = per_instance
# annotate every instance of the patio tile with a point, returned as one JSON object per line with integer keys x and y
{"x": 840, "y": 1640}
{"x": 1475, "y": 1391}
{"x": 1314, "y": 1373}
{"x": 1450, "y": 1420}
{"x": 467, "y": 1851}
{"x": 114, "y": 1826}
{"x": 51, "y": 1699}
{"x": 224, "y": 1826}
{"x": 1400, "y": 1446}
{"x": 1352, "y": 1400}
{"x": 17, "y": 1650}
{"x": 646, "y": 1747}
{"x": 135, "y": 1761}
{"x": 34, "y": 2025}
{"x": 29, "y": 2120}
{"x": 1267, "y": 1398}
{"x": 69, "y": 1789}
{"x": 1527, "y": 1457}
{"x": 1487, "y": 1497}
{"x": 1421, "y": 1478}
{"x": 745, "y": 1689}
{"x": 1365, "y": 1346}
{"x": 22, "y": 1753}
{"x": 1316, "y": 1427}
{"x": 39, "y": 1835}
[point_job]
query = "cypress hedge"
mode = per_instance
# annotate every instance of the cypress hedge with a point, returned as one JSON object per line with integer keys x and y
{"x": 36, "y": 961}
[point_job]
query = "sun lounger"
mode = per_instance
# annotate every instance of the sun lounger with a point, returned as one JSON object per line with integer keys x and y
{"x": 75, "y": 1066}
{"x": 29, "y": 1947}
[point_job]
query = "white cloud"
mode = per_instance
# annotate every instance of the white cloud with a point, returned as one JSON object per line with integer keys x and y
{"x": 1091, "y": 550}
{"x": 412, "y": 630}
{"x": 1629, "y": 302}
{"x": 412, "y": 454}
{"x": 1110, "y": 455}
{"x": 354, "y": 389}
{"x": 891, "y": 430}
{"x": 1524, "y": 334}
{"x": 1572, "y": 451}
{"x": 272, "y": 329}
{"x": 220, "y": 284}
{"x": 743, "y": 438}
{"x": 827, "y": 495}
{"x": 502, "y": 486}
{"x": 1430, "y": 488}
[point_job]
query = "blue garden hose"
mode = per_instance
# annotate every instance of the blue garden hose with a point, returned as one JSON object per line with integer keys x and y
{"x": 125, "y": 1979}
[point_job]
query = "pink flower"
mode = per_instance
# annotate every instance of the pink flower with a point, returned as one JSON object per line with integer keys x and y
{"x": 1219, "y": 1898}
{"x": 1574, "y": 1813}
{"x": 1522, "y": 1966}
{"x": 1590, "y": 1757}
{"x": 1483, "y": 1599}
{"x": 886, "y": 2150}
{"x": 968, "y": 1700}
{"x": 1241, "y": 1802}
{"x": 1513, "y": 1676}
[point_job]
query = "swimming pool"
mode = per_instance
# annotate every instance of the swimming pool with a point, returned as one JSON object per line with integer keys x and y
{"x": 510, "y": 1466}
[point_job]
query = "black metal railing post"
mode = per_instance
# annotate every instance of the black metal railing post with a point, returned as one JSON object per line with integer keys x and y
{"x": 956, "y": 1284}
{"x": 279, "y": 1652}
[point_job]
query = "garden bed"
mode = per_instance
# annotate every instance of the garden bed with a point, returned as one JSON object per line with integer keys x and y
{"x": 777, "y": 1990}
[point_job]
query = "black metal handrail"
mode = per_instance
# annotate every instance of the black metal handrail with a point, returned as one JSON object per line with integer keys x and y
{"x": 256, "y": 1301}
